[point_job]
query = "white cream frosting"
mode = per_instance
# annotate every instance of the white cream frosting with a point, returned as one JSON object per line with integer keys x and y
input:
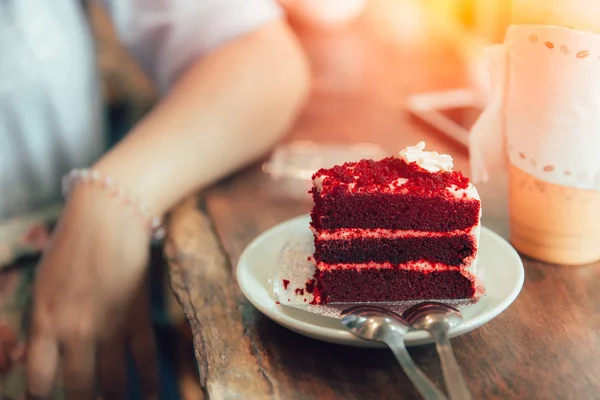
{"x": 470, "y": 192}
{"x": 420, "y": 266}
{"x": 377, "y": 233}
{"x": 318, "y": 182}
{"x": 430, "y": 160}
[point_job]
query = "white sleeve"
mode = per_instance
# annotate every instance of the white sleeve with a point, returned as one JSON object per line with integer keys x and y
{"x": 165, "y": 36}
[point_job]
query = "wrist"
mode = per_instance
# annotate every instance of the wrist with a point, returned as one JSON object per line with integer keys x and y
{"x": 142, "y": 179}
{"x": 92, "y": 186}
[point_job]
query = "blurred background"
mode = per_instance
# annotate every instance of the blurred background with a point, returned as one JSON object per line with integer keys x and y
{"x": 465, "y": 25}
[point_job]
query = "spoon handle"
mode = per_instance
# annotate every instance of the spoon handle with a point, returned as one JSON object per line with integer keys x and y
{"x": 453, "y": 377}
{"x": 427, "y": 388}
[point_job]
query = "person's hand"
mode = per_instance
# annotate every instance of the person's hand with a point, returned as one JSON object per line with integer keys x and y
{"x": 91, "y": 302}
{"x": 11, "y": 350}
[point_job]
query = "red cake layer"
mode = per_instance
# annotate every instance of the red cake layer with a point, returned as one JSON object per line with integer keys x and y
{"x": 393, "y": 211}
{"x": 450, "y": 250}
{"x": 392, "y": 194}
{"x": 371, "y": 285}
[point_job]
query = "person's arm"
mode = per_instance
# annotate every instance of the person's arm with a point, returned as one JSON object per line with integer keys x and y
{"x": 224, "y": 111}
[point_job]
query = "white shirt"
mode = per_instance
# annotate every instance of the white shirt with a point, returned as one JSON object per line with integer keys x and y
{"x": 50, "y": 105}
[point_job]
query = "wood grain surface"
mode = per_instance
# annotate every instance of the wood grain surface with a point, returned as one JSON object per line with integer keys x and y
{"x": 545, "y": 346}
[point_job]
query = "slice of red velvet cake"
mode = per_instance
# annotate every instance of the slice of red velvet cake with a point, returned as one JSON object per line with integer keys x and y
{"x": 402, "y": 228}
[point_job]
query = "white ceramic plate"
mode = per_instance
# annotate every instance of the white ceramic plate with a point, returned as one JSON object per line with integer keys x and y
{"x": 497, "y": 261}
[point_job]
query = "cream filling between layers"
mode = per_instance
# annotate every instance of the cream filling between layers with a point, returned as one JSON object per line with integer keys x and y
{"x": 468, "y": 266}
{"x": 417, "y": 266}
{"x": 380, "y": 233}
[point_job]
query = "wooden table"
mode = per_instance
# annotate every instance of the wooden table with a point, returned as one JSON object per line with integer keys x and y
{"x": 545, "y": 346}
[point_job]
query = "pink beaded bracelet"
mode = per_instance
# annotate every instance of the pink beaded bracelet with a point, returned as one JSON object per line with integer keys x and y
{"x": 86, "y": 175}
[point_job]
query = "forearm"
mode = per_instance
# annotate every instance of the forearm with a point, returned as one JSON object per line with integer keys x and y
{"x": 225, "y": 111}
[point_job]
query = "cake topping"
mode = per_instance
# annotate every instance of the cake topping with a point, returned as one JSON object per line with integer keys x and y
{"x": 430, "y": 160}
{"x": 390, "y": 175}
{"x": 318, "y": 182}
{"x": 415, "y": 171}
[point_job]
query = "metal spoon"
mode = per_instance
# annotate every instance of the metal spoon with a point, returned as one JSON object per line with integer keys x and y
{"x": 438, "y": 319}
{"x": 378, "y": 324}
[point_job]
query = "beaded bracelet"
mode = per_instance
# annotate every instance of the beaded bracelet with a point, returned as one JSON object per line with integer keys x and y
{"x": 86, "y": 175}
